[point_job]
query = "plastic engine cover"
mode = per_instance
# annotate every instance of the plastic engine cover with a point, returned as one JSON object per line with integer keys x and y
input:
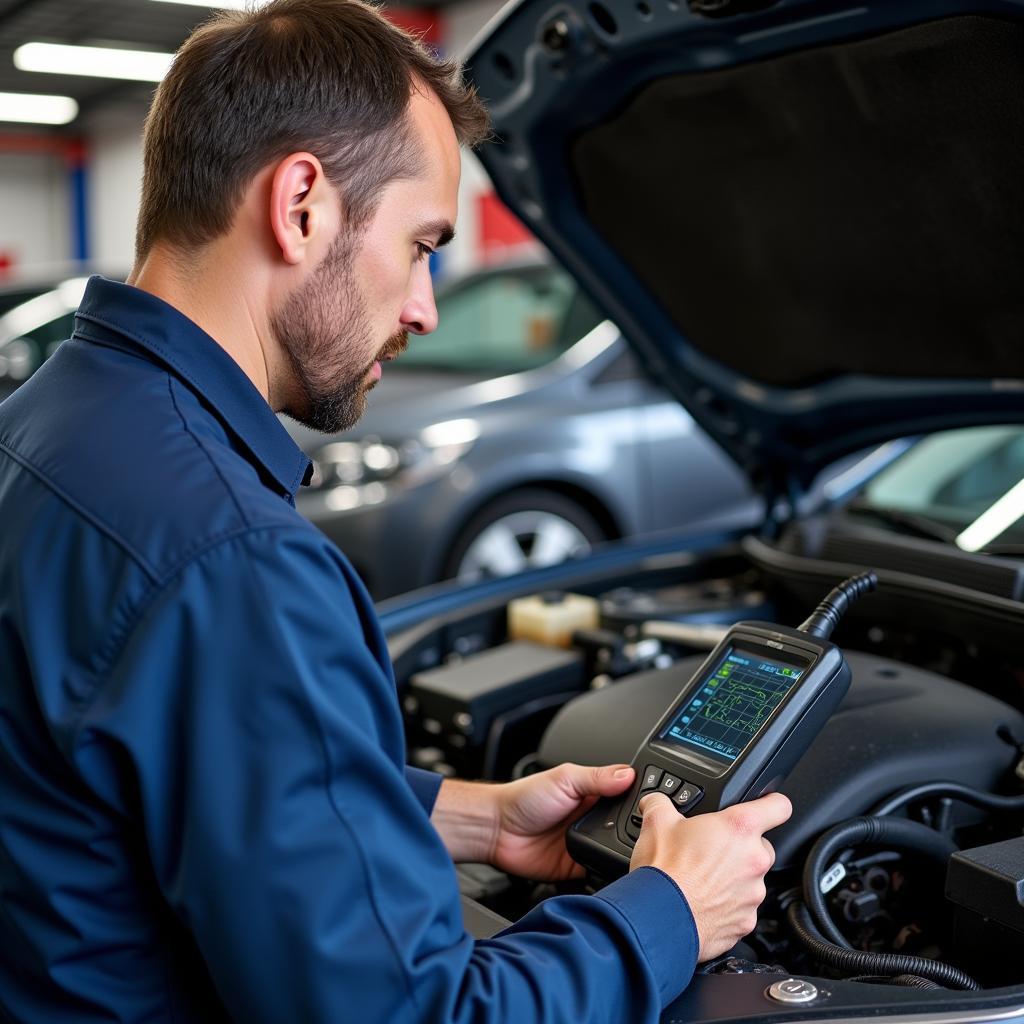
{"x": 898, "y": 726}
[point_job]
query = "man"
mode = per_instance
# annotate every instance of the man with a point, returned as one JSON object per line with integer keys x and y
{"x": 205, "y": 814}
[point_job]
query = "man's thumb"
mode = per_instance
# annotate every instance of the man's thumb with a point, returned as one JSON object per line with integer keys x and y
{"x": 607, "y": 780}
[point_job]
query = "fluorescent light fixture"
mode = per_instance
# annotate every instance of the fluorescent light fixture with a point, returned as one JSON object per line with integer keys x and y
{"x": 995, "y": 520}
{"x": 34, "y": 109}
{"x": 94, "y": 61}
{"x": 230, "y": 5}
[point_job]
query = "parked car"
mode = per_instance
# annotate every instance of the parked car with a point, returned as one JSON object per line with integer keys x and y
{"x": 522, "y": 432}
{"x": 35, "y": 317}
{"x": 805, "y": 218}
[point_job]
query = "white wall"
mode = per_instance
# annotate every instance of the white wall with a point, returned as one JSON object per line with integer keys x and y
{"x": 35, "y": 209}
{"x": 115, "y": 182}
{"x": 35, "y": 216}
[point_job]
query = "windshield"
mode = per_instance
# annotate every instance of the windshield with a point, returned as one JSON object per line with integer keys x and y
{"x": 965, "y": 484}
{"x": 503, "y": 321}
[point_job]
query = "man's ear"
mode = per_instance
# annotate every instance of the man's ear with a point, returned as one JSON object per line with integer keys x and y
{"x": 299, "y": 194}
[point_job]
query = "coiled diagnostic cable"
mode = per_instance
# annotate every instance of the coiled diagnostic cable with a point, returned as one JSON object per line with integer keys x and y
{"x": 826, "y": 616}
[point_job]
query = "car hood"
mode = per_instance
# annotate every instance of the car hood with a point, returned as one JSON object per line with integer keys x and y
{"x": 804, "y": 215}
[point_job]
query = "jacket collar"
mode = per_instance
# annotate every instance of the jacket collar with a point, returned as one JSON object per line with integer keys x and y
{"x": 117, "y": 312}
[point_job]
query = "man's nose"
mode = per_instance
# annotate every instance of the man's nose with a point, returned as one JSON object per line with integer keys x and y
{"x": 419, "y": 315}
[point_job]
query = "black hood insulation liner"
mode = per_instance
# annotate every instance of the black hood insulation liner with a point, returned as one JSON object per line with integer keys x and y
{"x": 855, "y": 208}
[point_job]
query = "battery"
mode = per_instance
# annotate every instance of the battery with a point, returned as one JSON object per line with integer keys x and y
{"x": 466, "y": 696}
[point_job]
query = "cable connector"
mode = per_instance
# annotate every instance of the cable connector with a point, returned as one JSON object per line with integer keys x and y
{"x": 826, "y": 616}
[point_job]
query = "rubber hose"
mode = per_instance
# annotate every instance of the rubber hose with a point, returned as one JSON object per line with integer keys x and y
{"x": 915, "y": 981}
{"x": 905, "y": 980}
{"x": 898, "y": 832}
{"x": 857, "y": 962}
{"x": 975, "y": 797}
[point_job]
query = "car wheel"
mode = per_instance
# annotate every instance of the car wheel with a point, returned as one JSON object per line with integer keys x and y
{"x": 524, "y": 530}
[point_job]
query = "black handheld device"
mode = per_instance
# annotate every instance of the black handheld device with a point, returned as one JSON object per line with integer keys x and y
{"x": 735, "y": 731}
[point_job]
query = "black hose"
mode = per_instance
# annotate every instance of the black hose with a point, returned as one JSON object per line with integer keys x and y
{"x": 914, "y": 981}
{"x": 906, "y": 980}
{"x": 857, "y": 962}
{"x": 898, "y": 832}
{"x": 954, "y": 790}
{"x": 833, "y": 607}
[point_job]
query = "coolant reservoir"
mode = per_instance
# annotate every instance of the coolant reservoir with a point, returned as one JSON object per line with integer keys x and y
{"x": 551, "y": 618}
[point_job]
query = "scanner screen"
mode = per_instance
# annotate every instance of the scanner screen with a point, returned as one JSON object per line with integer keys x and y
{"x": 730, "y": 707}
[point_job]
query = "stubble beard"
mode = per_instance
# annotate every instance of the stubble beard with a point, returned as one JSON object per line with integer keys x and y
{"x": 323, "y": 329}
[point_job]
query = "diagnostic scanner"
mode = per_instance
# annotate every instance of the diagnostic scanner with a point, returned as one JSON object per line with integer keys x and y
{"x": 735, "y": 731}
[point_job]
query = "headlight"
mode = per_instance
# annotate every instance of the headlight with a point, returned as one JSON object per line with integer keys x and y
{"x": 356, "y": 462}
{"x": 17, "y": 360}
{"x": 352, "y": 473}
{"x": 355, "y": 473}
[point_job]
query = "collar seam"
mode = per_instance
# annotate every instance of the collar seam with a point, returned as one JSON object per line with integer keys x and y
{"x": 168, "y": 358}
{"x": 202, "y": 447}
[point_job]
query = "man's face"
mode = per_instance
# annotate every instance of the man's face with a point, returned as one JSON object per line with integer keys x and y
{"x": 373, "y": 288}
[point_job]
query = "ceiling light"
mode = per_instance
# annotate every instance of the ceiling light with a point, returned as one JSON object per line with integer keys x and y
{"x": 33, "y": 109}
{"x": 994, "y": 521}
{"x": 95, "y": 61}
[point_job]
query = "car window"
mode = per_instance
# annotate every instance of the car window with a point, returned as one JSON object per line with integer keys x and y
{"x": 964, "y": 481}
{"x": 505, "y": 321}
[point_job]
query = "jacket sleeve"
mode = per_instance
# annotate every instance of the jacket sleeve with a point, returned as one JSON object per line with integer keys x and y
{"x": 266, "y": 749}
{"x": 425, "y": 785}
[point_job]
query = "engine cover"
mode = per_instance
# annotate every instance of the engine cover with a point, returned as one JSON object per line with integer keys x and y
{"x": 898, "y": 726}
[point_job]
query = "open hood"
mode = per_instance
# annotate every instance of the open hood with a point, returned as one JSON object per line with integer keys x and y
{"x": 807, "y": 216}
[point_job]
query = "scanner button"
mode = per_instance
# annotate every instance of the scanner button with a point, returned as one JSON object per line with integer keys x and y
{"x": 669, "y": 784}
{"x": 652, "y": 776}
{"x": 687, "y": 796}
{"x": 634, "y": 814}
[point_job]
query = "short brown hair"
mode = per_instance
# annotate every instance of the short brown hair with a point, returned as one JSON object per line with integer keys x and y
{"x": 331, "y": 77}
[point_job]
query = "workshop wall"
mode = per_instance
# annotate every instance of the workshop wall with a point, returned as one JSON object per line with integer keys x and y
{"x": 56, "y": 206}
{"x": 35, "y": 215}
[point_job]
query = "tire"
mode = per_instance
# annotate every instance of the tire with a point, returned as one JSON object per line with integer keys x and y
{"x": 526, "y": 529}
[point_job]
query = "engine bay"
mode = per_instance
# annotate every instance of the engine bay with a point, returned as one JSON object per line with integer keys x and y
{"x": 905, "y": 848}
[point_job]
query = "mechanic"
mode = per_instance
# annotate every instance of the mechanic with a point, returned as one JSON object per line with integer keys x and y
{"x": 205, "y": 813}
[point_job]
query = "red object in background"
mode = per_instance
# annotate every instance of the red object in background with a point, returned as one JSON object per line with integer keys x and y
{"x": 422, "y": 22}
{"x": 6, "y": 264}
{"x": 72, "y": 150}
{"x": 498, "y": 228}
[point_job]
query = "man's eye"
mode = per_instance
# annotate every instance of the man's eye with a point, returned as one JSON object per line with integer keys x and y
{"x": 423, "y": 251}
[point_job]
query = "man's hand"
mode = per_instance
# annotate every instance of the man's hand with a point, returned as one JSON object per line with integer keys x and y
{"x": 719, "y": 860}
{"x": 520, "y": 826}
{"x": 537, "y": 810}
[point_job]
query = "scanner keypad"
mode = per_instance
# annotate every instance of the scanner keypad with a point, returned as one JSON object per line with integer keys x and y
{"x": 684, "y": 795}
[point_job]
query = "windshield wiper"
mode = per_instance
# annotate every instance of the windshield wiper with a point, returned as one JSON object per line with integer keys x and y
{"x": 909, "y": 522}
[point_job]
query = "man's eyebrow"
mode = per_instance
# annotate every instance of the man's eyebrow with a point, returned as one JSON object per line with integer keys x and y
{"x": 441, "y": 228}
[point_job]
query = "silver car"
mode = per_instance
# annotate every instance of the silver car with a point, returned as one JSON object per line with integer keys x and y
{"x": 521, "y": 433}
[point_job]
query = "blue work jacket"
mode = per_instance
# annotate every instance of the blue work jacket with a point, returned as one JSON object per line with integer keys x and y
{"x": 204, "y": 810}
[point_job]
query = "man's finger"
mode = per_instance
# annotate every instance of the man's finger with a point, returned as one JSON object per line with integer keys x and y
{"x": 769, "y": 811}
{"x": 654, "y": 804}
{"x": 608, "y": 780}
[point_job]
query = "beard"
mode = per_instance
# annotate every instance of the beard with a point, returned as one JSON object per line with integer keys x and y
{"x": 324, "y": 331}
